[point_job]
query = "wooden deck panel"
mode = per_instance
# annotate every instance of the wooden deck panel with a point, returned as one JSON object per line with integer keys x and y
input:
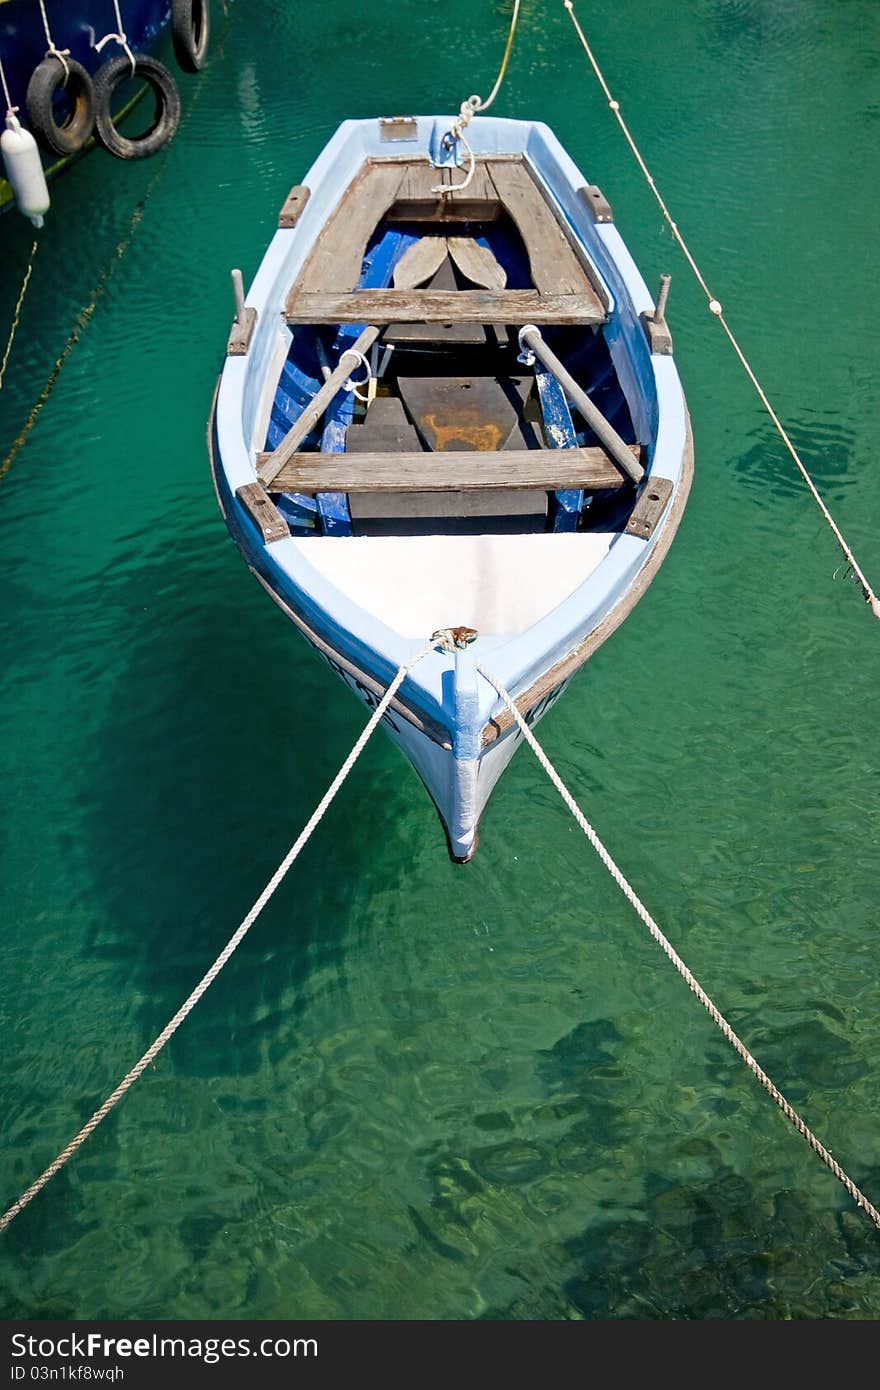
{"x": 403, "y": 190}
{"x": 554, "y": 265}
{"x": 547, "y": 469}
{"x": 417, "y": 201}
{"x": 335, "y": 261}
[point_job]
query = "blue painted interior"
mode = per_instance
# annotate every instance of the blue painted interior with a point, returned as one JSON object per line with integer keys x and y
{"x": 584, "y": 352}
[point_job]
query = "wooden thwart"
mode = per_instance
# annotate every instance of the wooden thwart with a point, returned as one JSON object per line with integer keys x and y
{"x": 515, "y": 307}
{"x": 548, "y": 469}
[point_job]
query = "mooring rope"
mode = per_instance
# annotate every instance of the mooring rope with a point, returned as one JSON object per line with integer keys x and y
{"x": 62, "y": 54}
{"x": 669, "y": 951}
{"x": 716, "y": 309}
{"x": 121, "y": 38}
{"x": 474, "y": 105}
{"x": 16, "y": 316}
{"x": 232, "y": 944}
{"x": 10, "y": 109}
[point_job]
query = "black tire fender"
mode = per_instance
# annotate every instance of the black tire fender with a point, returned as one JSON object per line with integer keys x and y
{"x": 65, "y": 137}
{"x": 159, "y": 79}
{"x": 190, "y": 32}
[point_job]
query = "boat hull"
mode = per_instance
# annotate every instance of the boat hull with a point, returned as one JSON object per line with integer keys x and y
{"x": 75, "y": 26}
{"x": 459, "y": 782}
{"x": 448, "y": 720}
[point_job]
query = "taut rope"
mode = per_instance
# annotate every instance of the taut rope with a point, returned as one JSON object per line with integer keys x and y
{"x": 716, "y": 309}
{"x": 669, "y": 951}
{"x": 234, "y": 941}
{"x": 62, "y": 54}
{"x": 472, "y": 106}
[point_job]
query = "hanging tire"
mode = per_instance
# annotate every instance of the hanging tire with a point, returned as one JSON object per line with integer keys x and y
{"x": 163, "y": 87}
{"x": 61, "y": 136}
{"x": 190, "y": 31}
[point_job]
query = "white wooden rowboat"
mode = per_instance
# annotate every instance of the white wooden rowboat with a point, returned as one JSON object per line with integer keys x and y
{"x": 514, "y": 462}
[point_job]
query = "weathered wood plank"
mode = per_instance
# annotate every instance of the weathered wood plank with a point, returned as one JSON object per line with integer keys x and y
{"x": 477, "y": 262}
{"x": 555, "y": 267}
{"x": 464, "y": 306}
{"x": 598, "y": 204}
{"x": 293, "y": 205}
{"x": 547, "y": 469}
{"x": 481, "y": 502}
{"x": 458, "y": 332}
{"x": 335, "y": 262}
{"x": 263, "y": 512}
{"x": 416, "y": 199}
{"x": 650, "y": 507}
{"x": 387, "y": 428}
{"x": 240, "y": 334}
{"x": 420, "y": 262}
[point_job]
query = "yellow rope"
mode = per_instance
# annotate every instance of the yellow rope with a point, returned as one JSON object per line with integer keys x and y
{"x": 16, "y": 317}
{"x": 716, "y": 309}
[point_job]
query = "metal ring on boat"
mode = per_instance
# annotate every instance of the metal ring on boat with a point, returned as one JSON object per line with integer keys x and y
{"x": 167, "y": 119}
{"x": 64, "y": 135}
{"x": 190, "y": 31}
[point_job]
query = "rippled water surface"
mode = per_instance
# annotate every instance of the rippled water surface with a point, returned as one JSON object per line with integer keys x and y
{"x": 421, "y": 1090}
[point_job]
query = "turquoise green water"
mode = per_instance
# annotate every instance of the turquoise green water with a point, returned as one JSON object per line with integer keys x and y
{"x": 421, "y": 1090}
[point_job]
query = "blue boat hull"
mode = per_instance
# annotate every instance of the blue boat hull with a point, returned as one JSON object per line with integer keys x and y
{"x": 77, "y": 26}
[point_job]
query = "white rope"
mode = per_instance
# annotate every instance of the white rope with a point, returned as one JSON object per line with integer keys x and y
{"x": 349, "y": 384}
{"x": 122, "y": 39}
{"x": 669, "y": 951}
{"x": 234, "y": 941}
{"x": 10, "y": 109}
{"x": 716, "y": 309}
{"x": 62, "y": 54}
{"x": 471, "y": 106}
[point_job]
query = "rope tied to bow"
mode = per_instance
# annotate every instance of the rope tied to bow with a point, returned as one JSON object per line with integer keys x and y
{"x": 469, "y": 108}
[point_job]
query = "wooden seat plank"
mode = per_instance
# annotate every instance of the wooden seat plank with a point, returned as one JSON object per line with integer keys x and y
{"x": 515, "y": 307}
{"x": 547, "y": 469}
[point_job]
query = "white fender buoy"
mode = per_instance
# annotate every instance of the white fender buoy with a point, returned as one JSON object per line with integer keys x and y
{"x": 24, "y": 170}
